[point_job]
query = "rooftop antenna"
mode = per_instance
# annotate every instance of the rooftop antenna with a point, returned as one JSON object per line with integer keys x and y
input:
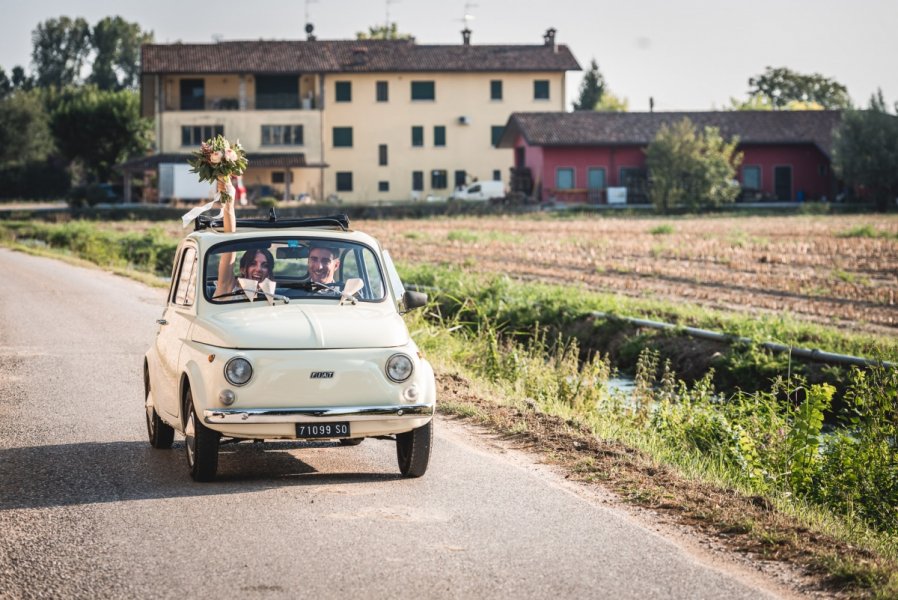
{"x": 307, "y": 9}
{"x": 388, "y": 3}
{"x": 468, "y": 17}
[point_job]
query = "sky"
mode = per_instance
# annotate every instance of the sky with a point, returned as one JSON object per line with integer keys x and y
{"x": 685, "y": 54}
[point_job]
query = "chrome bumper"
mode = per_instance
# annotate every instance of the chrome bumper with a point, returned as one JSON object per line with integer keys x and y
{"x": 300, "y": 415}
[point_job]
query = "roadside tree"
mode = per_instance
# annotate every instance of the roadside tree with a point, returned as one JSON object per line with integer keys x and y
{"x": 690, "y": 168}
{"x": 591, "y": 88}
{"x": 116, "y": 43}
{"x": 60, "y": 47}
{"x": 98, "y": 128}
{"x": 382, "y": 32}
{"x": 611, "y": 103}
{"x": 865, "y": 151}
{"x": 24, "y": 128}
{"x": 781, "y": 87}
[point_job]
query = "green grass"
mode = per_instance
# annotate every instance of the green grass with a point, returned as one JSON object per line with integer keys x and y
{"x": 867, "y": 231}
{"x": 662, "y": 229}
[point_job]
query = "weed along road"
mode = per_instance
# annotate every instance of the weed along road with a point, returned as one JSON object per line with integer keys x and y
{"x": 89, "y": 510}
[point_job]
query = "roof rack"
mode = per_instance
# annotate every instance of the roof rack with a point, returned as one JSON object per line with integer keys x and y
{"x": 340, "y": 221}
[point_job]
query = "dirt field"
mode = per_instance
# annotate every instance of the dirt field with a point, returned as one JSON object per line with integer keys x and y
{"x": 834, "y": 269}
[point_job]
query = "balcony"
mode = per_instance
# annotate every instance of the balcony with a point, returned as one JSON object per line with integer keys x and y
{"x": 259, "y": 102}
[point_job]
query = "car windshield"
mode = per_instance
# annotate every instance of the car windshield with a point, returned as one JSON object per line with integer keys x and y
{"x": 300, "y": 268}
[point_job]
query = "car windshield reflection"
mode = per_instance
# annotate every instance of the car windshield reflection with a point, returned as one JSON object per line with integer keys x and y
{"x": 288, "y": 268}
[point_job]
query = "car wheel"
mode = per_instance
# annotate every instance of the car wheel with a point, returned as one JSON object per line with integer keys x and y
{"x": 413, "y": 450}
{"x": 161, "y": 434}
{"x": 201, "y": 444}
{"x": 351, "y": 441}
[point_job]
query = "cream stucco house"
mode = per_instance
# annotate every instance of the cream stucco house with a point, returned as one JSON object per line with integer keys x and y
{"x": 362, "y": 121}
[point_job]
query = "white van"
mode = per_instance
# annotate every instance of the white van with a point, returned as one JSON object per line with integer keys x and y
{"x": 479, "y": 190}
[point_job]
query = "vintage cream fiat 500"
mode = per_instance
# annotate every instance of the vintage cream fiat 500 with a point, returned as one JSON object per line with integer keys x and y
{"x": 287, "y": 330}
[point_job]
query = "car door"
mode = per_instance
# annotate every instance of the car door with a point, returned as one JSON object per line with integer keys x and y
{"x": 174, "y": 328}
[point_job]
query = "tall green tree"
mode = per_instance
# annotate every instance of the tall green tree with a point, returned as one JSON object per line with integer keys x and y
{"x": 99, "y": 128}
{"x": 59, "y": 49}
{"x": 865, "y": 151}
{"x": 116, "y": 43}
{"x": 781, "y": 86}
{"x": 382, "y": 32}
{"x": 691, "y": 168}
{"x": 21, "y": 80}
{"x": 591, "y": 88}
{"x": 24, "y": 128}
{"x": 5, "y": 84}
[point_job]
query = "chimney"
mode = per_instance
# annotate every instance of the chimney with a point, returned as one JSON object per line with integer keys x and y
{"x": 651, "y": 104}
{"x": 466, "y": 36}
{"x": 309, "y": 35}
{"x": 359, "y": 56}
{"x": 549, "y": 37}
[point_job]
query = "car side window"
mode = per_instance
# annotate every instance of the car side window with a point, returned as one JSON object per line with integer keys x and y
{"x": 185, "y": 292}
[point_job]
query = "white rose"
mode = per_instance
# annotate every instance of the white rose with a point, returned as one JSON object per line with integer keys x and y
{"x": 230, "y": 155}
{"x": 215, "y": 157}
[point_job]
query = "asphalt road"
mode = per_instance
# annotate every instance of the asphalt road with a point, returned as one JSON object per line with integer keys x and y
{"x": 89, "y": 510}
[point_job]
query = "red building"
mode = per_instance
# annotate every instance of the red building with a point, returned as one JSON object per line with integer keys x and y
{"x": 576, "y": 157}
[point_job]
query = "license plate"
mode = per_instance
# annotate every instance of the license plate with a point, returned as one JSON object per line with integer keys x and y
{"x": 338, "y": 429}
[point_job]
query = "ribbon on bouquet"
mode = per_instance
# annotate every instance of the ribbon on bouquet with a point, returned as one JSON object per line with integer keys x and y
{"x": 193, "y": 213}
{"x": 251, "y": 288}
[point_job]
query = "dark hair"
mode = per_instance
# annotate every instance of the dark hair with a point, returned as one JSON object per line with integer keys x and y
{"x": 334, "y": 250}
{"x": 250, "y": 255}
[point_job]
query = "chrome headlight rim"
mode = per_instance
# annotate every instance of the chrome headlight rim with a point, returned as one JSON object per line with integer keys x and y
{"x": 399, "y": 356}
{"x": 227, "y": 373}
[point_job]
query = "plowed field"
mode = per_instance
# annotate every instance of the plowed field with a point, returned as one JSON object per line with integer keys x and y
{"x": 834, "y": 269}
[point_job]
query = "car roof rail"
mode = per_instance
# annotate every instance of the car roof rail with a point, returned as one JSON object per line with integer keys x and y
{"x": 340, "y": 221}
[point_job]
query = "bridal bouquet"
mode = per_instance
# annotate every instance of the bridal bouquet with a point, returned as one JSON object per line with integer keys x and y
{"x": 217, "y": 161}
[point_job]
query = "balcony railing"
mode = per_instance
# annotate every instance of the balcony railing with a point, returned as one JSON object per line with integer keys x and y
{"x": 259, "y": 102}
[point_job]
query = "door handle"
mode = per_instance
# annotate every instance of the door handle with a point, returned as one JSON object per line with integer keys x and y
{"x": 161, "y": 322}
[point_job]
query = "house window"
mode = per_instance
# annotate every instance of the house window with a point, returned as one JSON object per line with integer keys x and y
{"x": 751, "y": 178}
{"x": 595, "y": 178}
{"x": 417, "y": 181}
{"x": 382, "y": 155}
{"x": 344, "y": 181}
{"x": 564, "y": 178}
{"x": 194, "y": 135}
{"x": 439, "y": 135}
{"x": 438, "y": 179}
{"x": 383, "y": 186}
{"x": 193, "y": 94}
{"x": 417, "y": 135}
{"x": 342, "y": 137}
{"x": 496, "y": 89}
{"x": 460, "y": 178}
{"x": 541, "y": 89}
{"x": 423, "y": 90}
{"x": 497, "y": 175}
{"x": 277, "y": 92}
{"x": 343, "y": 91}
{"x": 383, "y": 91}
{"x": 282, "y": 135}
{"x": 496, "y": 132}
{"x": 278, "y": 177}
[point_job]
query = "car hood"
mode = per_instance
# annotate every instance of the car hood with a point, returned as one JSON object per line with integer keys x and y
{"x": 300, "y": 328}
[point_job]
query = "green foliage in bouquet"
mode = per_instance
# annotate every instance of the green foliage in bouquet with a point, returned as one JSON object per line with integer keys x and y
{"x": 217, "y": 161}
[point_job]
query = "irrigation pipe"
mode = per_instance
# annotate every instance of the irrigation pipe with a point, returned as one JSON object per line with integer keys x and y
{"x": 809, "y": 353}
{"x": 812, "y": 354}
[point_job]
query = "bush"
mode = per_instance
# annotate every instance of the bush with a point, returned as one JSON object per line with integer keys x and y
{"x": 267, "y": 202}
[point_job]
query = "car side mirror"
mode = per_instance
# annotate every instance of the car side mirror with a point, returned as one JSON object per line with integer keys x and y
{"x": 412, "y": 300}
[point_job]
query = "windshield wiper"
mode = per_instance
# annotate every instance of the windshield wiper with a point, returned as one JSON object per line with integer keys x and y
{"x": 284, "y": 299}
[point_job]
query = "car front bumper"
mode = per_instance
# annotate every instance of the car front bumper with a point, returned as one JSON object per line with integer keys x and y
{"x": 315, "y": 415}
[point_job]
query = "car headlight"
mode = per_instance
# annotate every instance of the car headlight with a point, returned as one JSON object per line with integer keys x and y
{"x": 238, "y": 370}
{"x": 399, "y": 367}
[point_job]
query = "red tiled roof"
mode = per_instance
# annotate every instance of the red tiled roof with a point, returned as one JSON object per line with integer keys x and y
{"x": 590, "y": 128}
{"x": 348, "y": 56}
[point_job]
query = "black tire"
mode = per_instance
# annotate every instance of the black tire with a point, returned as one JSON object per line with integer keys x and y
{"x": 161, "y": 434}
{"x": 413, "y": 450}
{"x": 351, "y": 441}
{"x": 201, "y": 444}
